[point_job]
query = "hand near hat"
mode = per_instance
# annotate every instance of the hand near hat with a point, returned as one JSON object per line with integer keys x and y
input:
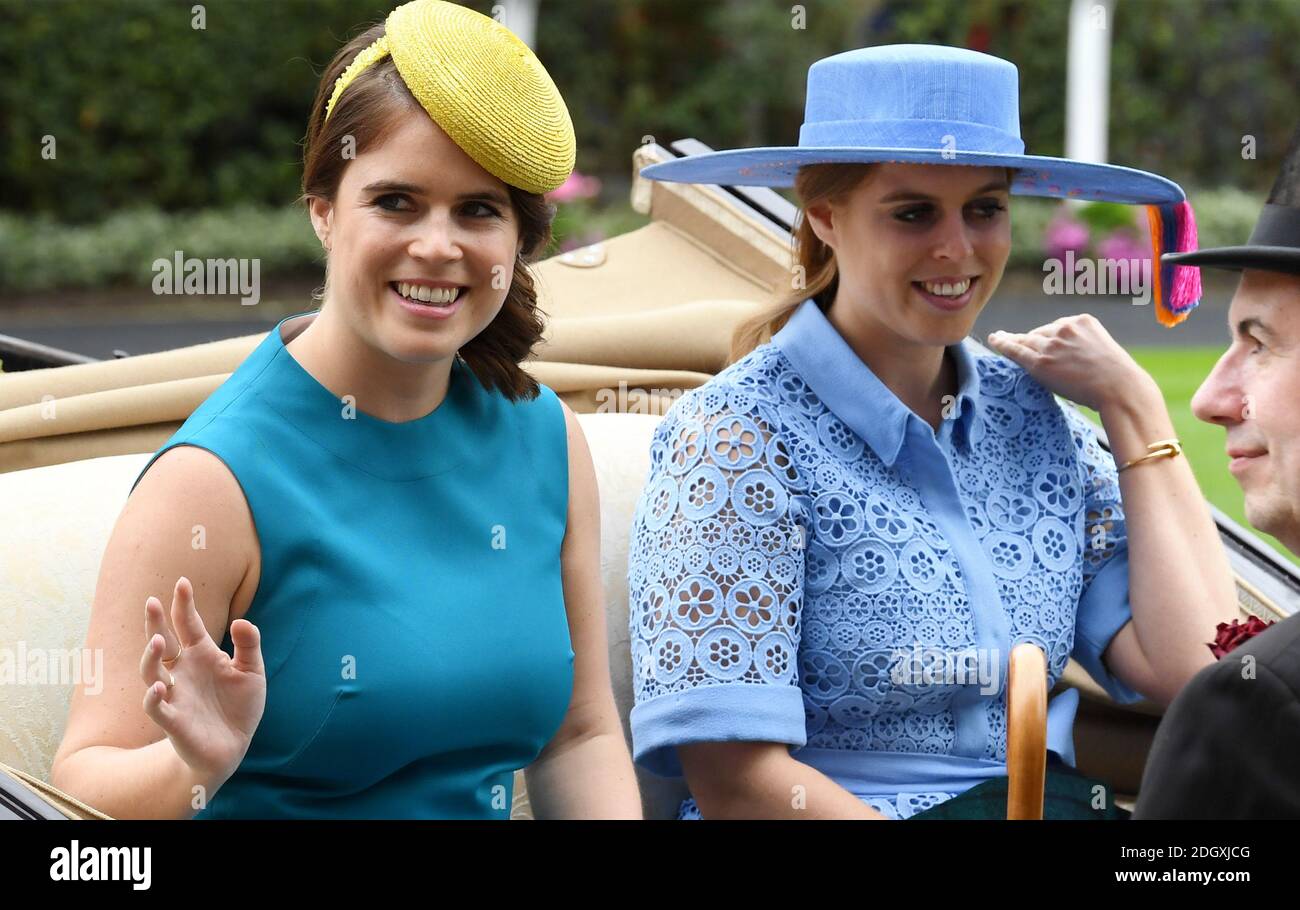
{"x": 1074, "y": 357}
{"x": 207, "y": 703}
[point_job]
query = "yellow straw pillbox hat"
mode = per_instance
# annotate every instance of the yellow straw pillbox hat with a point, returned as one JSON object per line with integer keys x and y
{"x": 482, "y": 85}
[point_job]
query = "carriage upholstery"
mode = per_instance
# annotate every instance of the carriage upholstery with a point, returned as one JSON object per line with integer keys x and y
{"x": 60, "y": 519}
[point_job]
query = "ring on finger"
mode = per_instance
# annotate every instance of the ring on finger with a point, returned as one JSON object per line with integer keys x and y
{"x": 168, "y": 662}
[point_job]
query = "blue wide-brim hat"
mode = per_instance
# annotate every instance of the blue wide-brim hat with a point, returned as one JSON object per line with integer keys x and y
{"x": 929, "y": 104}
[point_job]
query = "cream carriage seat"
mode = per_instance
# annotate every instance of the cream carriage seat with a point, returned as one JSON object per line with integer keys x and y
{"x": 57, "y": 524}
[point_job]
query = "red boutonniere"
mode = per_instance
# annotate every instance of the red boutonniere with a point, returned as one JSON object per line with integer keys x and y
{"x": 1231, "y": 635}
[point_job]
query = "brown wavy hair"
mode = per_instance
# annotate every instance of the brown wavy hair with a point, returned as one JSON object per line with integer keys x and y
{"x": 373, "y": 105}
{"x": 814, "y": 273}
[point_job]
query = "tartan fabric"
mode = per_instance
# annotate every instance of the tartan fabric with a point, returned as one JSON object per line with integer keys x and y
{"x": 1067, "y": 794}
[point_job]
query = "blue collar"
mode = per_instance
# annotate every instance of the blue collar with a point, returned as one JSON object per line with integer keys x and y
{"x": 847, "y": 386}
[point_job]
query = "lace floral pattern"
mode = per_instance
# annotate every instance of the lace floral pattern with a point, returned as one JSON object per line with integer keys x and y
{"x": 772, "y": 547}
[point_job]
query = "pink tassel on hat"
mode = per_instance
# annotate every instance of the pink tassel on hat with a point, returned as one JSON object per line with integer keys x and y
{"x": 1177, "y": 288}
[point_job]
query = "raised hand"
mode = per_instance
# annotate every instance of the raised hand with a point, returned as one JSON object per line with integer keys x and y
{"x": 207, "y": 703}
{"x": 1075, "y": 357}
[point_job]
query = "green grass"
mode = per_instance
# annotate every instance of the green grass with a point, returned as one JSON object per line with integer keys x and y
{"x": 1179, "y": 372}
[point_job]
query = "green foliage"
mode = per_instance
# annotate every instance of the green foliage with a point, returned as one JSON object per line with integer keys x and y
{"x": 38, "y": 254}
{"x": 147, "y": 111}
{"x": 584, "y": 221}
{"x": 1029, "y": 219}
{"x": 1104, "y": 217}
{"x": 1225, "y": 216}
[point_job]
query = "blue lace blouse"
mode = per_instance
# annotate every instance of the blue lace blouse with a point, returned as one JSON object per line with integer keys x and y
{"x": 812, "y": 564}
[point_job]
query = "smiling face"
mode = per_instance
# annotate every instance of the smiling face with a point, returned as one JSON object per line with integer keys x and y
{"x": 922, "y": 247}
{"x": 1253, "y": 392}
{"x": 416, "y": 210}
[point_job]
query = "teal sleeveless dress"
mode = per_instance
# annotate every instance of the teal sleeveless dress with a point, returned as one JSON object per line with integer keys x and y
{"x": 410, "y": 602}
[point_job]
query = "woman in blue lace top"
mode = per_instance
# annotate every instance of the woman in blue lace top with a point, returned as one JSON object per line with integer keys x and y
{"x": 843, "y": 534}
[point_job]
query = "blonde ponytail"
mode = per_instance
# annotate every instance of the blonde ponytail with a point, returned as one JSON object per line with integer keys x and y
{"x": 815, "y": 273}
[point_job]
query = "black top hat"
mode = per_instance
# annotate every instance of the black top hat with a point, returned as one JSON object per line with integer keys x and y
{"x": 1274, "y": 245}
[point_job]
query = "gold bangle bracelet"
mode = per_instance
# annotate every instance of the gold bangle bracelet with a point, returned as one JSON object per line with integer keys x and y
{"x": 1158, "y": 449}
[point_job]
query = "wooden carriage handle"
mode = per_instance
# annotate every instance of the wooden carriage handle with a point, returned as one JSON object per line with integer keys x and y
{"x": 1026, "y": 731}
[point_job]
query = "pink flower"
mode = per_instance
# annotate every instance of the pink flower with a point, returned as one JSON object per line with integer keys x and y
{"x": 1064, "y": 234}
{"x": 1123, "y": 248}
{"x": 1124, "y": 245}
{"x": 577, "y": 186}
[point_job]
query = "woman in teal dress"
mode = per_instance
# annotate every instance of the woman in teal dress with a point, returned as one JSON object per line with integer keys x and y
{"x": 390, "y": 527}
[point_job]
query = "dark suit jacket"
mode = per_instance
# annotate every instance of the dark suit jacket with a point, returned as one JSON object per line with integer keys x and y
{"x": 1229, "y": 747}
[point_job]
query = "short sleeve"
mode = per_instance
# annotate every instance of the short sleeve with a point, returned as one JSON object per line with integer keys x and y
{"x": 715, "y": 583}
{"x": 1104, "y": 601}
